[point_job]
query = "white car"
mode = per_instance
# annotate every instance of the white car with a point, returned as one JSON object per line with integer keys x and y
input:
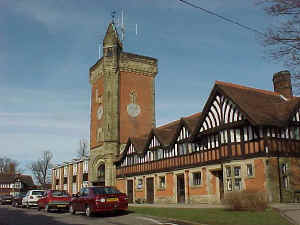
{"x": 32, "y": 197}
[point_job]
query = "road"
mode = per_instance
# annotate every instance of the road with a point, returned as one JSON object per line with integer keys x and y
{"x": 22, "y": 216}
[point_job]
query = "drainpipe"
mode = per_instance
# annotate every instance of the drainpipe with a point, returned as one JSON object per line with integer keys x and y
{"x": 279, "y": 179}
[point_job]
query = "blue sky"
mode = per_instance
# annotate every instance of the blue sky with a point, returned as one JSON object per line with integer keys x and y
{"x": 47, "y": 48}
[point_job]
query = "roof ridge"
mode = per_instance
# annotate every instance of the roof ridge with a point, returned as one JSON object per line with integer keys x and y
{"x": 247, "y": 88}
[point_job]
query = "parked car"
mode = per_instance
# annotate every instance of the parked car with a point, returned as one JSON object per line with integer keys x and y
{"x": 32, "y": 197}
{"x": 17, "y": 200}
{"x": 5, "y": 199}
{"x": 54, "y": 199}
{"x": 98, "y": 199}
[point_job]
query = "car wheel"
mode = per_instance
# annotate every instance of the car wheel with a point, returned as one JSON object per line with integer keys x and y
{"x": 47, "y": 208}
{"x": 71, "y": 210}
{"x": 88, "y": 211}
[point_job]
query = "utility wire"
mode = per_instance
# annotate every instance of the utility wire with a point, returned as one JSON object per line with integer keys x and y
{"x": 221, "y": 17}
{"x": 232, "y": 21}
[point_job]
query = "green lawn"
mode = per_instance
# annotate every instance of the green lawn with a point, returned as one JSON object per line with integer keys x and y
{"x": 215, "y": 216}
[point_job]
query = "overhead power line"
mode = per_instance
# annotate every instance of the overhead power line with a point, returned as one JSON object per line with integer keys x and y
{"x": 232, "y": 21}
{"x": 222, "y": 17}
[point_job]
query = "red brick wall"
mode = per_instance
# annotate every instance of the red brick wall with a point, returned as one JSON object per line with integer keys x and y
{"x": 257, "y": 183}
{"x": 142, "y": 85}
{"x": 121, "y": 185}
{"x": 95, "y": 123}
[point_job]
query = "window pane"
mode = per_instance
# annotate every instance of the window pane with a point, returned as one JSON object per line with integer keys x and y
{"x": 249, "y": 170}
{"x": 237, "y": 171}
{"x": 228, "y": 171}
{"x": 229, "y": 185}
{"x": 237, "y": 184}
{"x": 197, "y": 178}
{"x": 238, "y": 135}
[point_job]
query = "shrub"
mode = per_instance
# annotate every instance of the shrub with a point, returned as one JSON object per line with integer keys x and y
{"x": 253, "y": 201}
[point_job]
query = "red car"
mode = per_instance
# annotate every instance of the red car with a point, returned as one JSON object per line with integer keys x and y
{"x": 54, "y": 199}
{"x": 98, "y": 199}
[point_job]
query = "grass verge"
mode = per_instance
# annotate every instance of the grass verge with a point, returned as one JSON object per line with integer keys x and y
{"x": 215, "y": 216}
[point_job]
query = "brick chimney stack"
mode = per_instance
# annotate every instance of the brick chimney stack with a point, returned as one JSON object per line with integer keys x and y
{"x": 282, "y": 83}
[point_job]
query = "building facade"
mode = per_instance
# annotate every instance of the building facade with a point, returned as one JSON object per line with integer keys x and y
{"x": 13, "y": 184}
{"x": 122, "y": 104}
{"x": 245, "y": 139}
{"x": 71, "y": 176}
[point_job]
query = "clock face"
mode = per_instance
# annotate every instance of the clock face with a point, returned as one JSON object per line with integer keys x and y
{"x": 100, "y": 112}
{"x": 133, "y": 110}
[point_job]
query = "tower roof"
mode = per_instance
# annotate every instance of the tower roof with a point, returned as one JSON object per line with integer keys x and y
{"x": 111, "y": 37}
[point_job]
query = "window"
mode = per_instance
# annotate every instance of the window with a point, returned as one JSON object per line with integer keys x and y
{"x": 160, "y": 153}
{"x": 229, "y": 185}
{"x": 284, "y": 172}
{"x": 238, "y": 184}
{"x": 139, "y": 183}
{"x": 182, "y": 148}
{"x": 234, "y": 181}
{"x": 238, "y": 135}
{"x": 197, "y": 178}
{"x": 237, "y": 179}
{"x": 74, "y": 168}
{"x": 65, "y": 171}
{"x": 232, "y": 139}
{"x": 228, "y": 171}
{"x": 85, "y": 166}
{"x": 249, "y": 170}
{"x": 162, "y": 182}
{"x": 237, "y": 171}
{"x": 74, "y": 188}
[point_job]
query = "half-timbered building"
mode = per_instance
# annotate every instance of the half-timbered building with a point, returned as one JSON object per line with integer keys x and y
{"x": 244, "y": 139}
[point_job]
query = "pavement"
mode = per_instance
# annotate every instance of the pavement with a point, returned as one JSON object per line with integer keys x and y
{"x": 291, "y": 211}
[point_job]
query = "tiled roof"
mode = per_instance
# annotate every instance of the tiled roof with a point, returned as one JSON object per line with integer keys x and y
{"x": 8, "y": 178}
{"x": 166, "y": 133}
{"x": 262, "y": 107}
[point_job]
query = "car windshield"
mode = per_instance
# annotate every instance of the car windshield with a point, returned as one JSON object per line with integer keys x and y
{"x": 21, "y": 195}
{"x": 38, "y": 193}
{"x": 6, "y": 196}
{"x": 60, "y": 194}
{"x": 105, "y": 190}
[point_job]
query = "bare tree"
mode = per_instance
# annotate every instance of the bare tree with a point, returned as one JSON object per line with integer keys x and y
{"x": 283, "y": 40}
{"x": 83, "y": 149}
{"x": 41, "y": 168}
{"x": 9, "y": 166}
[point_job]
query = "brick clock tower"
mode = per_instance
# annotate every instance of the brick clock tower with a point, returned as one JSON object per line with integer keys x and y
{"x": 122, "y": 104}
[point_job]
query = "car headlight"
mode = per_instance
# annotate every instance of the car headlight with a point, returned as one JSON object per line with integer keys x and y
{"x": 102, "y": 200}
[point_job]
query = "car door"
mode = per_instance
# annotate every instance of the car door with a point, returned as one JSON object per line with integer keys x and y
{"x": 77, "y": 200}
{"x": 83, "y": 198}
{"x": 44, "y": 200}
{"x": 25, "y": 199}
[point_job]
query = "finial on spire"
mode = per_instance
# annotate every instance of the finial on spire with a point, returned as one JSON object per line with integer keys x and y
{"x": 113, "y": 14}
